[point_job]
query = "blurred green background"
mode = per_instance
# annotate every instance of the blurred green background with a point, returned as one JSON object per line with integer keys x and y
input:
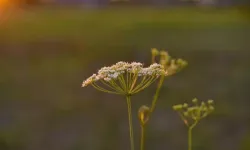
{"x": 46, "y": 53}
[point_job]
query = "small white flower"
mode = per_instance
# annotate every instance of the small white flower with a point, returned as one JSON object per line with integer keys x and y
{"x": 115, "y": 75}
{"x": 107, "y": 79}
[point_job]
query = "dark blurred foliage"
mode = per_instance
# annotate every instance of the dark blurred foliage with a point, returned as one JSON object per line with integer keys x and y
{"x": 46, "y": 54}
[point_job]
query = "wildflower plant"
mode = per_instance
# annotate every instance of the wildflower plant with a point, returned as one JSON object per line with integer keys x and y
{"x": 126, "y": 79}
{"x": 143, "y": 116}
{"x": 171, "y": 66}
{"x": 191, "y": 115}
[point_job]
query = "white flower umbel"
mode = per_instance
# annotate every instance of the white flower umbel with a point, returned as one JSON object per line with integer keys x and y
{"x": 125, "y": 78}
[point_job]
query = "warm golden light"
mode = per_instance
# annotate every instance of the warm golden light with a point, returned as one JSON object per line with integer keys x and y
{"x": 5, "y": 10}
{"x": 3, "y": 3}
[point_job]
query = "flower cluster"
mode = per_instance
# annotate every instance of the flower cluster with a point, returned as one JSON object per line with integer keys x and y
{"x": 171, "y": 66}
{"x": 122, "y": 77}
{"x": 194, "y": 113}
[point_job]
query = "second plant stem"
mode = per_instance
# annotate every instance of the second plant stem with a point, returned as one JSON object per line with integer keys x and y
{"x": 156, "y": 96}
{"x": 190, "y": 135}
{"x": 190, "y": 139}
{"x": 131, "y": 134}
{"x": 142, "y": 137}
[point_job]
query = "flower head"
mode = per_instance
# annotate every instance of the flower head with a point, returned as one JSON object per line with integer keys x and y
{"x": 125, "y": 78}
{"x": 194, "y": 113}
{"x": 170, "y": 65}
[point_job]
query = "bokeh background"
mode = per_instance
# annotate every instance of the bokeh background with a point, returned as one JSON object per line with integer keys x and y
{"x": 48, "y": 47}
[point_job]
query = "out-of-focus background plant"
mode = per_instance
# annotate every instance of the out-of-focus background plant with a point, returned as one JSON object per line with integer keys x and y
{"x": 48, "y": 47}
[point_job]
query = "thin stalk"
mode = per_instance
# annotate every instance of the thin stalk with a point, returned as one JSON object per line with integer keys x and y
{"x": 122, "y": 83}
{"x": 129, "y": 80}
{"x": 103, "y": 90}
{"x": 131, "y": 134}
{"x": 190, "y": 135}
{"x": 109, "y": 86}
{"x": 142, "y": 137}
{"x": 146, "y": 84}
{"x": 190, "y": 139}
{"x": 156, "y": 96}
{"x": 133, "y": 82}
{"x": 141, "y": 84}
{"x": 114, "y": 84}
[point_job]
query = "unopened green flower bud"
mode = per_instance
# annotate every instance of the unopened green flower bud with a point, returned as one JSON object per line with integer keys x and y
{"x": 154, "y": 52}
{"x": 190, "y": 109}
{"x": 203, "y": 104}
{"x": 164, "y": 54}
{"x": 211, "y": 108}
{"x": 172, "y": 68}
{"x": 143, "y": 114}
{"x": 181, "y": 63}
{"x": 173, "y": 63}
{"x": 185, "y": 105}
{"x": 195, "y": 100}
{"x": 210, "y": 102}
{"x": 196, "y": 111}
{"x": 177, "y": 107}
{"x": 186, "y": 114}
{"x": 164, "y": 58}
{"x": 204, "y": 108}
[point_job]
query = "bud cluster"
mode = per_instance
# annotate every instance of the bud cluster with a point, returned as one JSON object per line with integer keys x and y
{"x": 195, "y": 112}
{"x": 171, "y": 66}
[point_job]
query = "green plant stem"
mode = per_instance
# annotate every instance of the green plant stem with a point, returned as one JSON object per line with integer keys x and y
{"x": 190, "y": 139}
{"x": 131, "y": 134}
{"x": 142, "y": 137}
{"x": 190, "y": 135}
{"x": 156, "y": 96}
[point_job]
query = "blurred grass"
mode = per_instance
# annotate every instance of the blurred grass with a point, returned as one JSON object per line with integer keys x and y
{"x": 124, "y": 26}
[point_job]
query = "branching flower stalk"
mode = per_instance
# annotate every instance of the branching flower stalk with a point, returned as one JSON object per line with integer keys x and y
{"x": 191, "y": 115}
{"x": 125, "y": 79}
{"x": 171, "y": 66}
{"x": 143, "y": 116}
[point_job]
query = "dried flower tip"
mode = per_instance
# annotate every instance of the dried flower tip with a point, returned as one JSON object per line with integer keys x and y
{"x": 143, "y": 114}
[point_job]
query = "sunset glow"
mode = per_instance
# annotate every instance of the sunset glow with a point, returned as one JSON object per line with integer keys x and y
{"x": 3, "y": 3}
{"x": 5, "y": 10}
